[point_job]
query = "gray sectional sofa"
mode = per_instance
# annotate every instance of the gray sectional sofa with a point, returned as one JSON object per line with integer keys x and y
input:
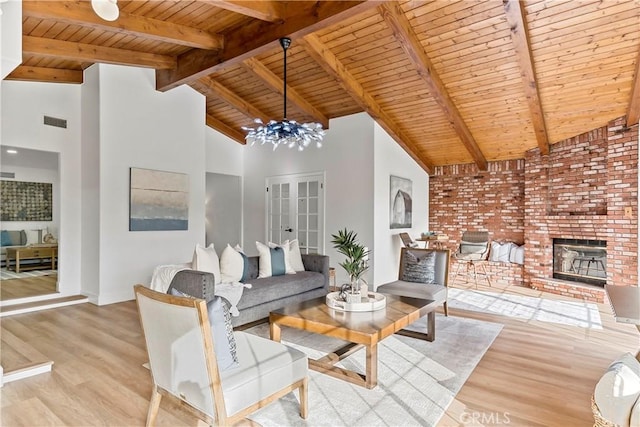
{"x": 265, "y": 294}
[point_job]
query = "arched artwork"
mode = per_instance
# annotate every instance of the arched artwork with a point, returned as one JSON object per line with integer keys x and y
{"x": 400, "y": 202}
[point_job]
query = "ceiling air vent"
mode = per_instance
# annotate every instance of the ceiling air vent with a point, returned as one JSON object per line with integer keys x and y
{"x": 7, "y": 175}
{"x": 52, "y": 121}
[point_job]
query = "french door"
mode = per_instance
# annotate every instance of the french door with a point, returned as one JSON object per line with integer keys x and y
{"x": 295, "y": 210}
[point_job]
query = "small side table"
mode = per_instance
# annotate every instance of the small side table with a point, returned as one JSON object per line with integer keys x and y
{"x": 625, "y": 303}
{"x": 437, "y": 240}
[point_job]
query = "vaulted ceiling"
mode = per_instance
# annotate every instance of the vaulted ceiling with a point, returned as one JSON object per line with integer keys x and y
{"x": 451, "y": 81}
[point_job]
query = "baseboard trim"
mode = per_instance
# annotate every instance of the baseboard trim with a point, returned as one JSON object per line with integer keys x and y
{"x": 27, "y": 371}
{"x": 42, "y": 305}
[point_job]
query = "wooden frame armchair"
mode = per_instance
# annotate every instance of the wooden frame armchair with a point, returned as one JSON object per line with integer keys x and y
{"x": 183, "y": 363}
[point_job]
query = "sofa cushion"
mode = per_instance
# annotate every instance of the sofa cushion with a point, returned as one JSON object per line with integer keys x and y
{"x": 221, "y": 330}
{"x": 516, "y": 255}
{"x": 234, "y": 266}
{"x": 265, "y": 367}
{"x": 274, "y": 260}
{"x": 276, "y": 287}
{"x": 500, "y": 251}
{"x": 18, "y": 237}
{"x": 206, "y": 259}
{"x": 431, "y": 291}
{"x": 418, "y": 268}
{"x": 295, "y": 256}
{"x": 618, "y": 390}
{"x": 5, "y": 239}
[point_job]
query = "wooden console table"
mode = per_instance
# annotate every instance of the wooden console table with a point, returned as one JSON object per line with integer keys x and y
{"x": 46, "y": 254}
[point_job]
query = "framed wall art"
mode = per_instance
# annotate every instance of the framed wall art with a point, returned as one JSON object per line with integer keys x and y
{"x": 158, "y": 200}
{"x": 26, "y": 201}
{"x": 400, "y": 202}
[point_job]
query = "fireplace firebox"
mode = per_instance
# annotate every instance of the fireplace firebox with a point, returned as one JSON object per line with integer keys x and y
{"x": 580, "y": 260}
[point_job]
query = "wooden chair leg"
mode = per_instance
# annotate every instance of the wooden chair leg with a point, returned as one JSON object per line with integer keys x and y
{"x": 154, "y": 405}
{"x": 457, "y": 271}
{"x": 446, "y": 309}
{"x": 475, "y": 274}
{"x": 304, "y": 398}
{"x": 484, "y": 271}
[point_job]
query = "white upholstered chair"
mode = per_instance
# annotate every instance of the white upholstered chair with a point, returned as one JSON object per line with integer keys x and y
{"x": 183, "y": 363}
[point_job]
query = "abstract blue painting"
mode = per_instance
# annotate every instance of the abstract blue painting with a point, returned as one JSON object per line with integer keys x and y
{"x": 158, "y": 200}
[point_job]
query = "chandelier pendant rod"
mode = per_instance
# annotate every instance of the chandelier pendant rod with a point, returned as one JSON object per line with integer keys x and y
{"x": 285, "y": 42}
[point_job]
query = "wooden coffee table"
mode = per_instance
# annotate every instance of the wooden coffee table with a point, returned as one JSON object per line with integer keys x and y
{"x": 360, "y": 329}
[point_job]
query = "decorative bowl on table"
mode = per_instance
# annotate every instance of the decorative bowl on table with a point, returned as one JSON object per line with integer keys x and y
{"x": 372, "y": 302}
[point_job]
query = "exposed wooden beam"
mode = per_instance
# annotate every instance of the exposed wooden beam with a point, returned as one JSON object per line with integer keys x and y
{"x": 404, "y": 34}
{"x": 270, "y": 11}
{"x": 259, "y": 37}
{"x": 332, "y": 65}
{"x": 51, "y": 48}
{"x": 216, "y": 89}
{"x": 633, "y": 112}
{"x": 274, "y": 82}
{"x": 42, "y": 74}
{"x": 81, "y": 13}
{"x": 514, "y": 10}
{"x": 224, "y": 129}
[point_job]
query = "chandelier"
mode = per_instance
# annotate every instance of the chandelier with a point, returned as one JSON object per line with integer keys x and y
{"x": 285, "y": 132}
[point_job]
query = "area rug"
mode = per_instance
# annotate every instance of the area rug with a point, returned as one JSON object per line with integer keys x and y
{"x": 581, "y": 314}
{"x": 7, "y": 274}
{"x": 417, "y": 380}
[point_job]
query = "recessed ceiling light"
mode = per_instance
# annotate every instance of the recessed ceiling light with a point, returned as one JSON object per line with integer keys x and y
{"x": 11, "y": 151}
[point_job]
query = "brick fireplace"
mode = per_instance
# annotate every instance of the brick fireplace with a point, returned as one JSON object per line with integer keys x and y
{"x": 586, "y": 188}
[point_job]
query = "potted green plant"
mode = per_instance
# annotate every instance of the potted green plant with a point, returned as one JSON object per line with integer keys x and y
{"x": 357, "y": 256}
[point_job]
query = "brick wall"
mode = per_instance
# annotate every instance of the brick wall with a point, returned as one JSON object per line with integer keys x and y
{"x": 580, "y": 190}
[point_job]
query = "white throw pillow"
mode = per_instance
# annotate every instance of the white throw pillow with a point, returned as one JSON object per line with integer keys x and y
{"x": 516, "y": 255}
{"x": 33, "y": 236}
{"x": 287, "y": 255}
{"x": 500, "y": 251}
{"x": 295, "y": 257}
{"x": 206, "y": 259}
{"x": 274, "y": 260}
{"x": 618, "y": 389}
{"x": 234, "y": 266}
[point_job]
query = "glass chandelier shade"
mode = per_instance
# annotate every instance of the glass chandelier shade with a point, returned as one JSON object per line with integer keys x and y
{"x": 106, "y": 9}
{"x": 285, "y": 132}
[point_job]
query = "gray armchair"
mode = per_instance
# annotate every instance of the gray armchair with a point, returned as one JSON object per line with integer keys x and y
{"x": 473, "y": 251}
{"x": 423, "y": 273}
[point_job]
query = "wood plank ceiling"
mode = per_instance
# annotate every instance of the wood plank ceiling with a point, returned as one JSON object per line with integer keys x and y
{"x": 451, "y": 81}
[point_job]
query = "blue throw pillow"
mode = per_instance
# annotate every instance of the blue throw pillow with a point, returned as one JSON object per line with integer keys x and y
{"x": 221, "y": 330}
{"x": 5, "y": 239}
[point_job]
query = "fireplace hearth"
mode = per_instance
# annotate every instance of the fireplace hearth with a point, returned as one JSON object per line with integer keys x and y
{"x": 580, "y": 260}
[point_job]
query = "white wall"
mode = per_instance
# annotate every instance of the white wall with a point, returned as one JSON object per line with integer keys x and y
{"x": 224, "y": 155}
{"x": 347, "y": 158}
{"x": 391, "y": 159}
{"x": 143, "y": 128}
{"x": 23, "y": 106}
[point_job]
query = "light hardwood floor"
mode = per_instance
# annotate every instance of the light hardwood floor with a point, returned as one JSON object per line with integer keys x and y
{"x": 534, "y": 374}
{"x": 28, "y": 287}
